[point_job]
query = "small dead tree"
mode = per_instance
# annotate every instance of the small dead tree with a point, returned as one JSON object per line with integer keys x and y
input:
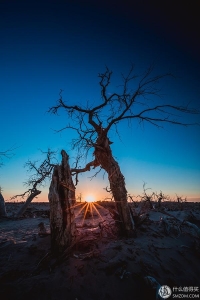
{"x": 161, "y": 197}
{"x": 93, "y": 124}
{"x": 41, "y": 173}
{"x": 181, "y": 201}
{"x": 4, "y": 154}
{"x": 79, "y": 198}
{"x": 2, "y": 205}
{"x": 146, "y": 199}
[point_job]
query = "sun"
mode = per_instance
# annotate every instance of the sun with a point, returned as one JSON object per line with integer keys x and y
{"x": 90, "y": 198}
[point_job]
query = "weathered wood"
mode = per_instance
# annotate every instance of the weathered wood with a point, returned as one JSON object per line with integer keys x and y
{"x": 26, "y": 204}
{"x": 103, "y": 156}
{"x": 61, "y": 199}
{"x": 2, "y": 207}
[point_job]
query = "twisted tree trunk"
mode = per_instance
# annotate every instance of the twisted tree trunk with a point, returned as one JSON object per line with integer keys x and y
{"x": 26, "y": 204}
{"x": 103, "y": 157}
{"x": 61, "y": 199}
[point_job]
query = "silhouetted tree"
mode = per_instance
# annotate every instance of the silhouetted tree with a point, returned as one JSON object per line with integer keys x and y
{"x": 180, "y": 201}
{"x": 161, "y": 197}
{"x": 146, "y": 199}
{"x": 93, "y": 124}
{"x": 61, "y": 197}
{"x": 2, "y": 205}
{"x": 4, "y": 154}
{"x": 37, "y": 179}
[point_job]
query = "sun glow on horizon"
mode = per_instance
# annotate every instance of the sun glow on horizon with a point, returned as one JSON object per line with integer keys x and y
{"x": 90, "y": 198}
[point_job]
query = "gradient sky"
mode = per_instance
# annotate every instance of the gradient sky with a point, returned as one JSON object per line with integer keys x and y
{"x": 51, "y": 45}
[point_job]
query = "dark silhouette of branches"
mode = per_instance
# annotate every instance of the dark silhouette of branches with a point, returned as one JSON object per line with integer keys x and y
{"x": 180, "y": 199}
{"x": 108, "y": 190}
{"x": 133, "y": 100}
{"x": 147, "y": 197}
{"x": 6, "y": 154}
{"x": 40, "y": 173}
{"x": 161, "y": 197}
{"x": 128, "y": 104}
{"x": 37, "y": 179}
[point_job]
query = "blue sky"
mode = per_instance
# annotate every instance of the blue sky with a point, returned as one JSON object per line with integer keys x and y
{"x": 55, "y": 45}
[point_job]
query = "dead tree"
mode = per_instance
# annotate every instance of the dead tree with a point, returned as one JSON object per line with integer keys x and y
{"x": 161, "y": 197}
{"x": 181, "y": 201}
{"x": 2, "y": 205}
{"x": 4, "y": 154}
{"x": 41, "y": 173}
{"x": 93, "y": 125}
{"x": 146, "y": 200}
{"x": 61, "y": 199}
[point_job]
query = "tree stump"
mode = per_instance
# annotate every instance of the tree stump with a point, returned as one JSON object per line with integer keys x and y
{"x": 2, "y": 206}
{"x": 61, "y": 199}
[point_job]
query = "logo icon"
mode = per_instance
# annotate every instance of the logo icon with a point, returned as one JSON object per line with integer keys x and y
{"x": 164, "y": 291}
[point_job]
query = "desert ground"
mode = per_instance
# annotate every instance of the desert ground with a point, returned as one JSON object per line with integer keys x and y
{"x": 101, "y": 265}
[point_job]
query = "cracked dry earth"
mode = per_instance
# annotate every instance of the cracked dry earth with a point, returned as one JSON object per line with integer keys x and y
{"x": 101, "y": 266}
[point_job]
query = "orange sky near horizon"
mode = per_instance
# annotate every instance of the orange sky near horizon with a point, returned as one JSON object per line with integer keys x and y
{"x": 96, "y": 186}
{"x": 43, "y": 197}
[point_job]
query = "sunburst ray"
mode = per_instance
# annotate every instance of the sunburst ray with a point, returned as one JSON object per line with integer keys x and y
{"x": 80, "y": 210}
{"x": 97, "y": 210}
{"x": 86, "y": 209}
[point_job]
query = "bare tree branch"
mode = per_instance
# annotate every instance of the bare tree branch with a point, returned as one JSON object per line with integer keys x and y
{"x": 6, "y": 154}
{"x": 134, "y": 101}
{"x": 41, "y": 173}
{"x": 117, "y": 107}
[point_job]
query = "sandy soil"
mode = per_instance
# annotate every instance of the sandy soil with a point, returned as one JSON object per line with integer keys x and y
{"x": 102, "y": 265}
